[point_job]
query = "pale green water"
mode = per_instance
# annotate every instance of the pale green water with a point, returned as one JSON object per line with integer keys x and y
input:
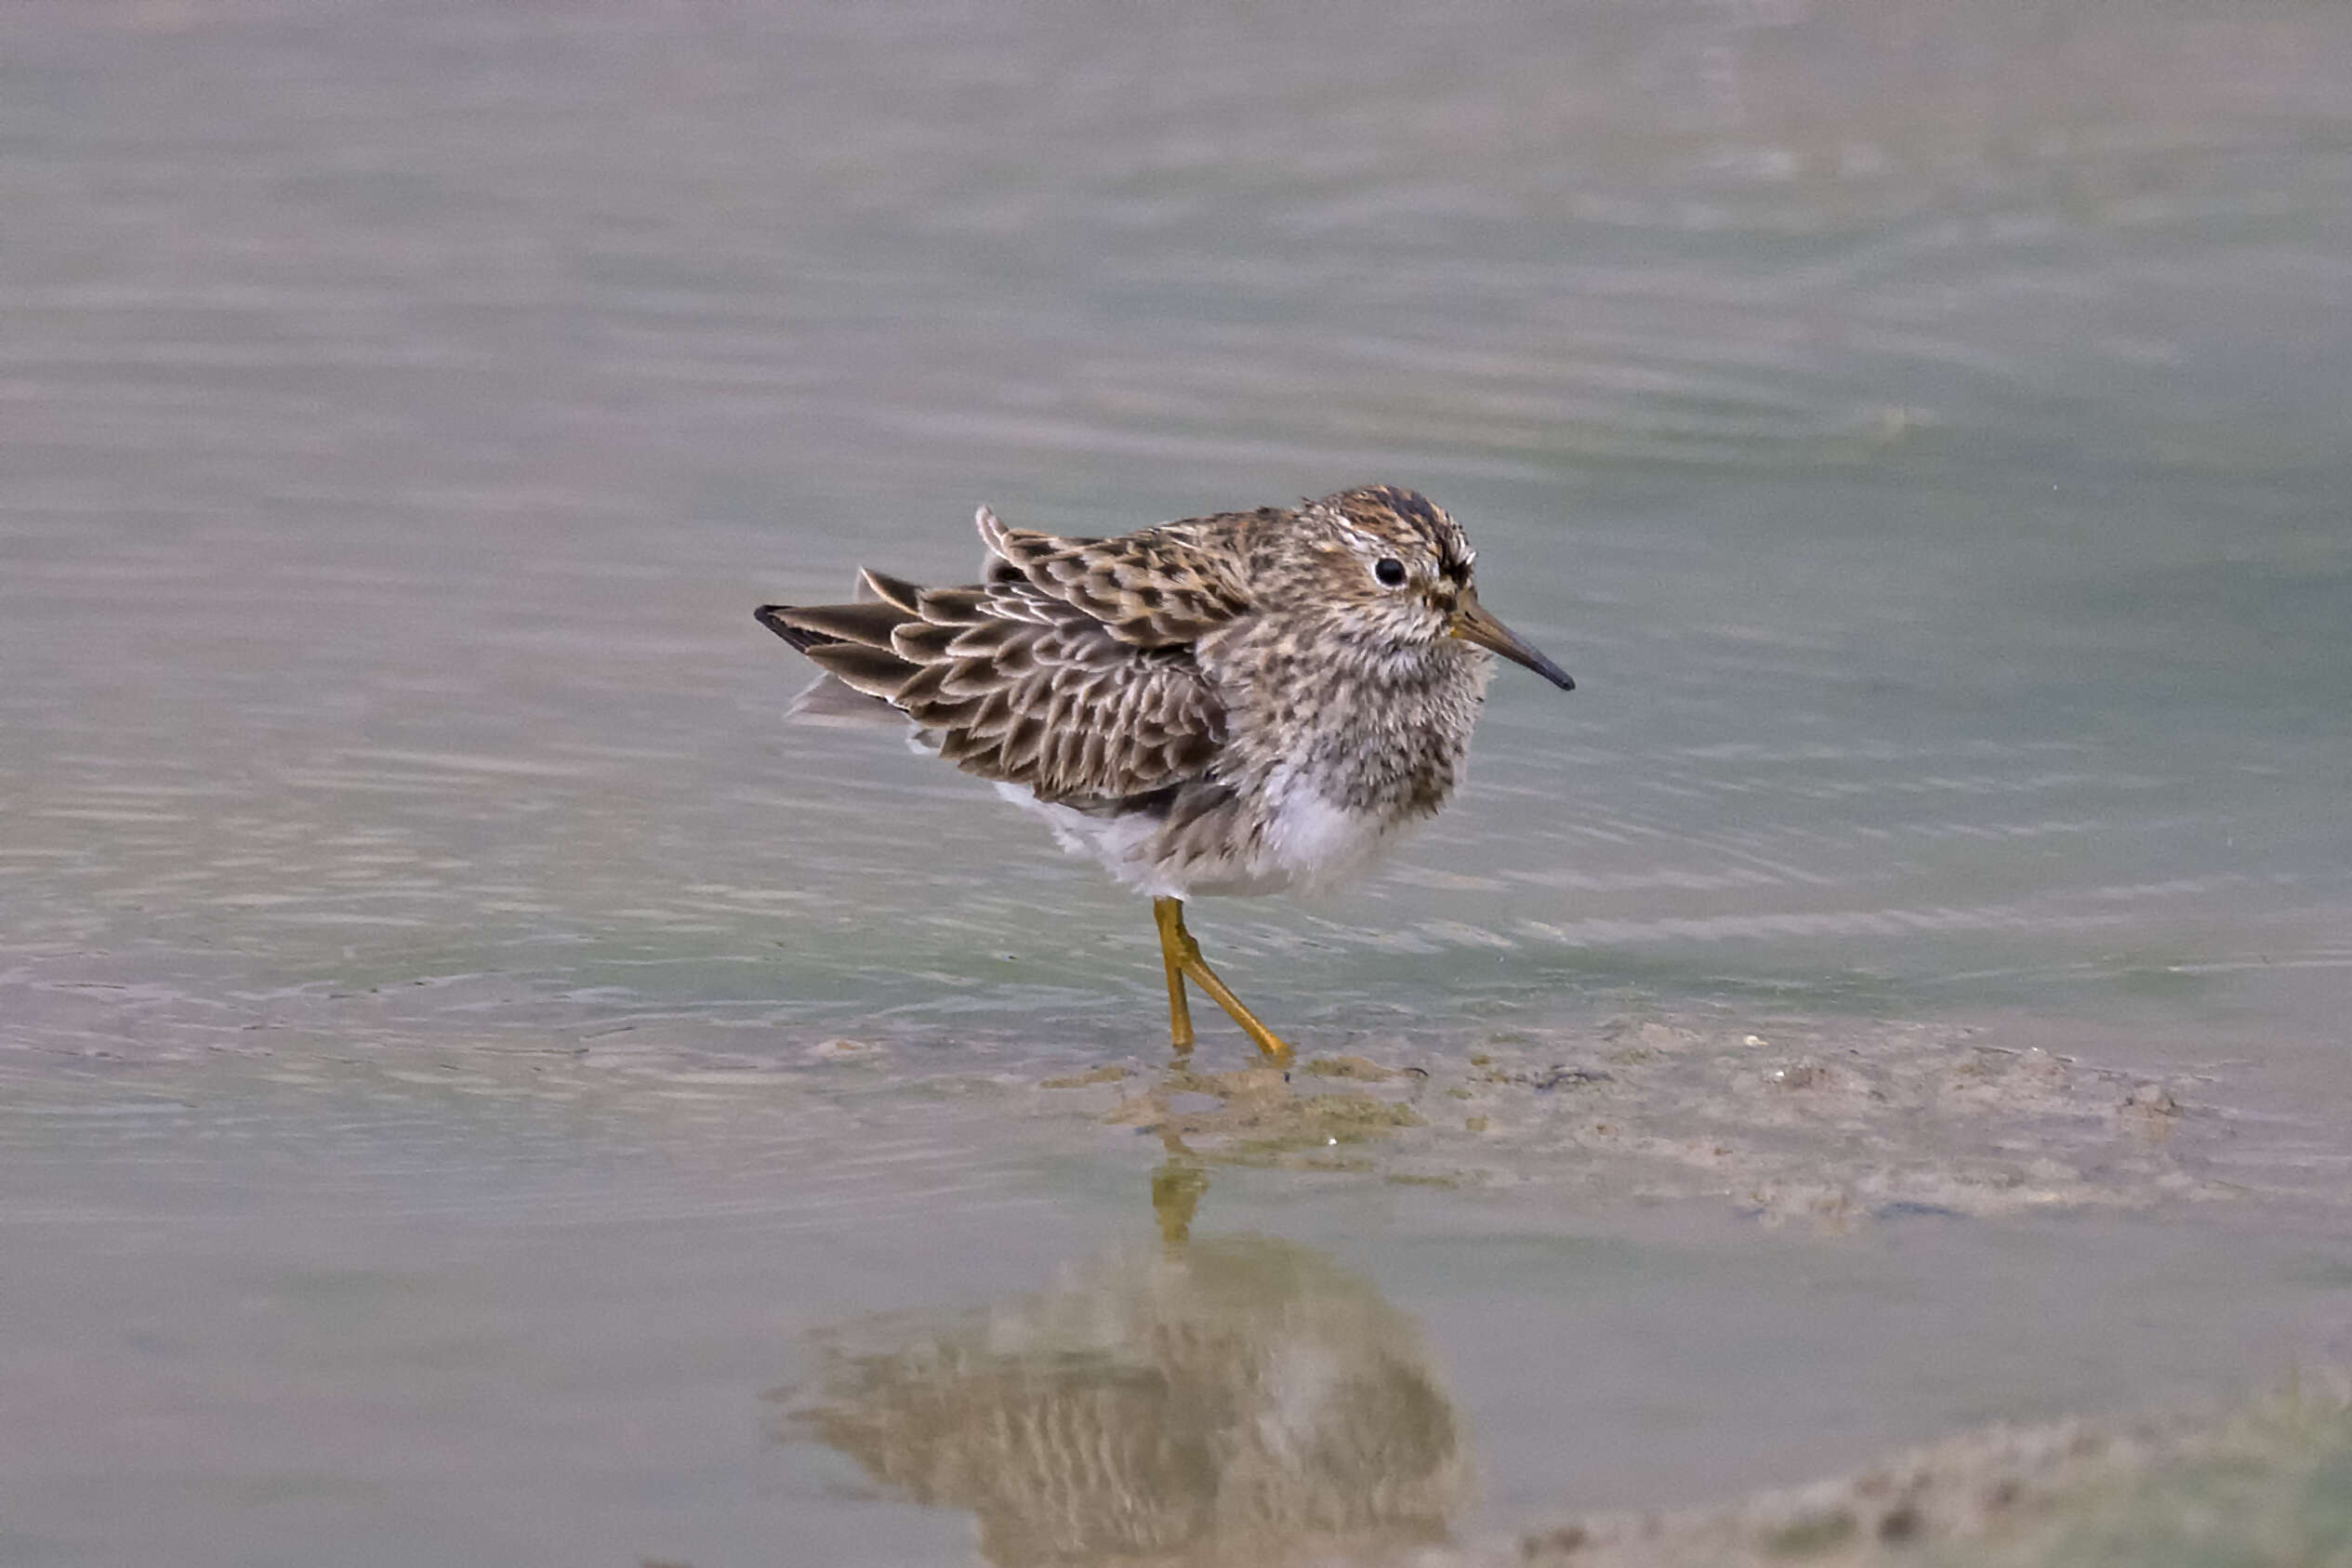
{"x": 1922, "y": 429}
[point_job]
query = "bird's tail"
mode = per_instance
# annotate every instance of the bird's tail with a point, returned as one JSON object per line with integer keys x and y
{"x": 852, "y": 644}
{"x": 777, "y": 618}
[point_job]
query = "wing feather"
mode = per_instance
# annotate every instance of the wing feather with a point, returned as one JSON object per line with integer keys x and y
{"x": 867, "y": 623}
{"x": 874, "y": 671}
{"x": 889, "y": 589}
{"x": 1159, "y": 587}
{"x": 1015, "y": 683}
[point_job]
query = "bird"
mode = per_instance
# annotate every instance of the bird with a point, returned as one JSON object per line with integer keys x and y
{"x": 1239, "y": 703}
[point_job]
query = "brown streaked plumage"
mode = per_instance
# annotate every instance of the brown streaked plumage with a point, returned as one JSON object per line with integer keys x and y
{"x": 1236, "y": 704}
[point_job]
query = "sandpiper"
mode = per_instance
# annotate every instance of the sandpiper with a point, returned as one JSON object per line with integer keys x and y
{"x": 1237, "y": 704}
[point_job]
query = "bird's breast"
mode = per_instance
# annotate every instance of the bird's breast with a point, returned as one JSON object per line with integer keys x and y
{"x": 1378, "y": 752}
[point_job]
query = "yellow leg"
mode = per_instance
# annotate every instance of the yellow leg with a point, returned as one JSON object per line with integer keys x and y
{"x": 1169, "y": 917}
{"x": 1182, "y": 955}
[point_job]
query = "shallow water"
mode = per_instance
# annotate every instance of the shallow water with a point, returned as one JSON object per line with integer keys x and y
{"x": 463, "y": 1052}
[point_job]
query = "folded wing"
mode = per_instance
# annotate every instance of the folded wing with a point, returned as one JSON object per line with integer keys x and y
{"x": 1016, "y": 683}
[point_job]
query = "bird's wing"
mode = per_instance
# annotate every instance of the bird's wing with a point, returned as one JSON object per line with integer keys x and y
{"x": 1160, "y": 588}
{"x": 1018, "y": 685}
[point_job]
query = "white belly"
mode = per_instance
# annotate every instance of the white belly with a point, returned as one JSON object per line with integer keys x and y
{"x": 1312, "y": 842}
{"x": 1307, "y": 842}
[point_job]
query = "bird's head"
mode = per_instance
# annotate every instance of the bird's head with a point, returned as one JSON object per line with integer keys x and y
{"x": 1398, "y": 568}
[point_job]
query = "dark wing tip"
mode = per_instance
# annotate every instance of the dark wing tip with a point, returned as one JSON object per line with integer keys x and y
{"x": 772, "y": 617}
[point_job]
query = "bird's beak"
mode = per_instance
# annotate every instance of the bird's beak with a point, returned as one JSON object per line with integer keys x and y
{"x": 1473, "y": 624}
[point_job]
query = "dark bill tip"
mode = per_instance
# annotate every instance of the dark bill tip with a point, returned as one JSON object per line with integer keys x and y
{"x": 1474, "y": 624}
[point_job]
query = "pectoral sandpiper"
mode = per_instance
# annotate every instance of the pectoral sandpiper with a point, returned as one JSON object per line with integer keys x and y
{"x": 1237, "y": 704}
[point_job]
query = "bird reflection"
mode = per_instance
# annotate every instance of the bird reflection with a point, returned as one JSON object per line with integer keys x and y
{"x": 1232, "y": 1401}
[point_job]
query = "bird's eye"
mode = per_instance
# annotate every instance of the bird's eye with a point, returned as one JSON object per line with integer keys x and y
{"x": 1390, "y": 571}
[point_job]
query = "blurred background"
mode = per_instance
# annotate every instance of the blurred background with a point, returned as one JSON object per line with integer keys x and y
{"x": 458, "y": 1044}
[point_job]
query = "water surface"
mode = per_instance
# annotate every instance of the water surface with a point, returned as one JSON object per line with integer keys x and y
{"x": 466, "y": 1060}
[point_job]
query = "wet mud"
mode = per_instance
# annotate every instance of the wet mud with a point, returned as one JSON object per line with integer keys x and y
{"x": 1826, "y": 1121}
